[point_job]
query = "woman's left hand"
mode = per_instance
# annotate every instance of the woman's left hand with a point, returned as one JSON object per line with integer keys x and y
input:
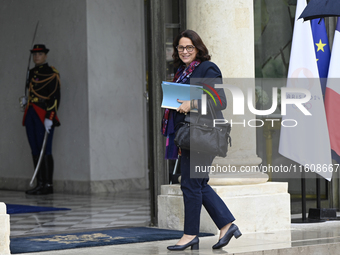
{"x": 185, "y": 106}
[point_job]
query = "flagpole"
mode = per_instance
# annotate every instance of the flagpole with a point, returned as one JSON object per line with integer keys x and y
{"x": 304, "y": 218}
{"x": 329, "y": 188}
{"x": 303, "y": 194}
{"x": 318, "y": 195}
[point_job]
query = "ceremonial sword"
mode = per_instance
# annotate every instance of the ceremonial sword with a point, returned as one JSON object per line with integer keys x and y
{"x": 40, "y": 159}
{"x": 29, "y": 59}
{"x": 23, "y": 100}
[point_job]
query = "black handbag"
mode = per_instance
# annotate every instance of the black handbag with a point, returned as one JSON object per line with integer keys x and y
{"x": 198, "y": 133}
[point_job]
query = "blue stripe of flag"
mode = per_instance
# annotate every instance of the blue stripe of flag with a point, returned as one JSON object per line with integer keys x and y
{"x": 322, "y": 50}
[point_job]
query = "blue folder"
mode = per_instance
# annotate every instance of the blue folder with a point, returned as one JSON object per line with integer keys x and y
{"x": 173, "y": 91}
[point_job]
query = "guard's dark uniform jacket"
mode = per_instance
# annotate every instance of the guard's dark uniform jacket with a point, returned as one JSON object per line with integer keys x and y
{"x": 44, "y": 93}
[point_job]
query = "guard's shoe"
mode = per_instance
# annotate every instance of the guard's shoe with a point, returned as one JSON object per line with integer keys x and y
{"x": 48, "y": 189}
{"x": 41, "y": 190}
{"x": 37, "y": 188}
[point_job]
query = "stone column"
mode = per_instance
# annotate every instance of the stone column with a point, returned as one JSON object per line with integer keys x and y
{"x": 4, "y": 230}
{"x": 227, "y": 29}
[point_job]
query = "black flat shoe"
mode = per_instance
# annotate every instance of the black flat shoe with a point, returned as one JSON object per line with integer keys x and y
{"x": 232, "y": 231}
{"x": 193, "y": 243}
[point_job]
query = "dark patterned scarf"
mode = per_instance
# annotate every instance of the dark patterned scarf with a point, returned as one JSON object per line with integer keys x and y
{"x": 168, "y": 126}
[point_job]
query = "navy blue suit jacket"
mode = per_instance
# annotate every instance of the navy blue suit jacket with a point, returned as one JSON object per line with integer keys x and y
{"x": 207, "y": 73}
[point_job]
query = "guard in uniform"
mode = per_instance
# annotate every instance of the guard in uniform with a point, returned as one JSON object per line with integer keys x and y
{"x": 41, "y": 116}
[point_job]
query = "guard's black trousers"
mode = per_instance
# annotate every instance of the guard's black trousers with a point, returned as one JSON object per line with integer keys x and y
{"x": 196, "y": 192}
{"x": 35, "y": 131}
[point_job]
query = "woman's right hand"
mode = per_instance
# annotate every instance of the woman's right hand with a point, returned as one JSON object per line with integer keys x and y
{"x": 184, "y": 107}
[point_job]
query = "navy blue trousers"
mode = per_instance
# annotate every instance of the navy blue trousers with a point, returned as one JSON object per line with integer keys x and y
{"x": 196, "y": 192}
{"x": 35, "y": 131}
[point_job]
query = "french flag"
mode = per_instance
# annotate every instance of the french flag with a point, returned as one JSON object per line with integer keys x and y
{"x": 332, "y": 97}
{"x": 302, "y": 142}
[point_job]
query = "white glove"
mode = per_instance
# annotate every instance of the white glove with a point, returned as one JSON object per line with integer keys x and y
{"x": 23, "y": 101}
{"x": 48, "y": 124}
